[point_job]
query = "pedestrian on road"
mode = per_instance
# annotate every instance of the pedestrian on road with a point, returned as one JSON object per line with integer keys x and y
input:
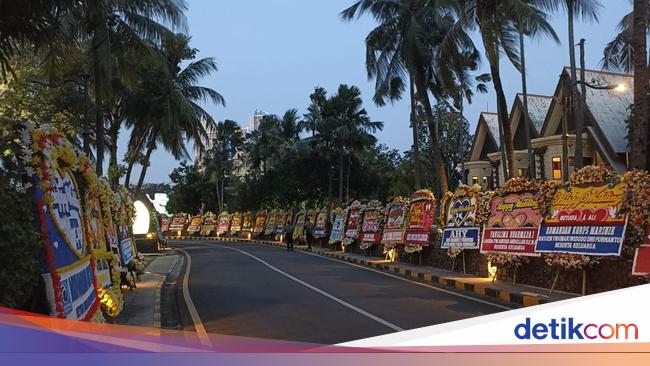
{"x": 309, "y": 233}
{"x": 289, "y": 234}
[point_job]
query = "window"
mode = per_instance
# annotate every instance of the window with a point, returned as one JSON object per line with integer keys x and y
{"x": 474, "y": 180}
{"x": 557, "y": 167}
{"x": 485, "y": 180}
{"x": 521, "y": 172}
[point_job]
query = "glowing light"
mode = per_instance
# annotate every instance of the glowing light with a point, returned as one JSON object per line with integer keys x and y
{"x": 149, "y": 235}
{"x": 621, "y": 87}
{"x": 141, "y": 222}
{"x": 178, "y": 233}
{"x": 492, "y": 270}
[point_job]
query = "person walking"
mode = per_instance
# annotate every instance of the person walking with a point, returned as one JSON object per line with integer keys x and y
{"x": 288, "y": 229}
{"x": 309, "y": 233}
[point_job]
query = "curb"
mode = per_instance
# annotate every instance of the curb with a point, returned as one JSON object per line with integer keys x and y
{"x": 522, "y": 299}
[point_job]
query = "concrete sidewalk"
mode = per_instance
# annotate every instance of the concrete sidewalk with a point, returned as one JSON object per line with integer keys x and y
{"x": 142, "y": 304}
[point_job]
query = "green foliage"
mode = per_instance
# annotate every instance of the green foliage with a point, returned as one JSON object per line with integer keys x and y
{"x": 21, "y": 247}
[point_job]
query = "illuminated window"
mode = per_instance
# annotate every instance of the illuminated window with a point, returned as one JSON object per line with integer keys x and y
{"x": 474, "y": 180}
{"x": 484, "y": 180}
{"x": 521, "y": 172}
{"x": 557, "y": 167}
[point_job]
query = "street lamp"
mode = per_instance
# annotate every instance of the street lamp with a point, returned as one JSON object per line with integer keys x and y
{"x": 620, "y": 87}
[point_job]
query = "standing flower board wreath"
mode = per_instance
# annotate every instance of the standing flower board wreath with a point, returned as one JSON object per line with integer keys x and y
{"x": 373, "y": 220}
{"x": 511, "y": 220}
{"x": 299, "y": 228}
{"x": 235, "y": 223}
{"x": 458, "y": 217}
{"x": 50, "y": 162}
{"x": 179, "y": 222}
{"x": 209, "y": 224}
{"x": 320, "y": 228}
{"x": 311, "y": 215}
{"x": 420, "y": 220}
{"x": 396, "y": 214}
{"x": 247, "y": 223}
{"x": 353, "y": 223}
{"x": 195, "y": 224}
{"x": 338, "y": 218}
{"x": 270, "y": 223}
{"x": 577, "y": 226}
{"x": 260, "y": 221}
{"x": 280, "y": 221}
{"x": 164, "y": 223}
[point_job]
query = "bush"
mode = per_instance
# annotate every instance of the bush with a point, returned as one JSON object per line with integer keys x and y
{"x": 21, "y": 250}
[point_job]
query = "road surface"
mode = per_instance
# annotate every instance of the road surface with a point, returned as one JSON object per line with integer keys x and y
{"x": 266, "y": 292}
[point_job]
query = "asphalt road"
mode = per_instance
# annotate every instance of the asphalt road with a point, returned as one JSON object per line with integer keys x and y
{"x": 266, "y": 292}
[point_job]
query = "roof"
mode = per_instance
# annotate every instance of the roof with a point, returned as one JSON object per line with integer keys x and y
{"x": 609, "y": 108}
{"x": 492, "y": 122}
{"x": 538, "y": 106}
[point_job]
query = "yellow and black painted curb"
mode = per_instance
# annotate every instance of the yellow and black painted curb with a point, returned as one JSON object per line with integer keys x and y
{"x": 515, "y": 298}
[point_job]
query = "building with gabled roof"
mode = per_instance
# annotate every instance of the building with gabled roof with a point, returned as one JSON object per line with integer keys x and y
{"x": 478, "y": 169}
{"x": 605, "y": 127}
{"x": 604, "y": 136}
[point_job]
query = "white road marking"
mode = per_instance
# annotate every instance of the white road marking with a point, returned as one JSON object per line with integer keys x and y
{"x": 485, "y": 302}
{"x": 316, "y": 289}
{"x": 411, "y": 281}
{"x": 196, "y": 319}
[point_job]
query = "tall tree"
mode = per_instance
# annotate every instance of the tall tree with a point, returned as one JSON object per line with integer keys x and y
{"x": 498, "y": 23}
{"x": 639, "y": 131}
{"x": 167, "y": 103}
{"x": 412, "y": 37}
{"x": 219, "y": 159}
{"x": 99, "y": 23}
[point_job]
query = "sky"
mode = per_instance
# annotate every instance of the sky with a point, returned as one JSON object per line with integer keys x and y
{"x": 273, "y": 53}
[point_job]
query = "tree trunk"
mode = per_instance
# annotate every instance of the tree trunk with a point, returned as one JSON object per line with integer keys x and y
{"x": 347, "y": 180}
{"x": 524, "y": 90}
{"x": 113, "y": 134}
{"x": 132, "y": 152}
{"x": 508, "y": 148}
{"x": 639, "y": 122}
{"x": 99, "y": 135}
{"x": 341, "y": 178}
{"x": 422, "y": 92}
{"x": 505, "y": 134}
{"x": 143, "y": 173}
{"x": 416, "y": 140}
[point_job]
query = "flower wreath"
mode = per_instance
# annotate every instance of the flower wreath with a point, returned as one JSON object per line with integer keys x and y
{"x": 463, "y": 190}
{"x": 356, "y": 204}
{"x": 513, "y": 185}
{"x": 637, "y": 196}
{"x": 398, "y": 200}
{"x": 421, "y": 195}
{"x": 588, "y": 175}
{"x": 372, "y": 205}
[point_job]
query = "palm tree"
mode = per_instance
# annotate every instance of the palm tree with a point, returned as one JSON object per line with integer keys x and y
{"x": 412, "y": 35}
{"x": 218, "y": 161}
{"x": 498, "y": 23}
{"x": 28, "y": 23}
{"x": 351, "y": 128}
{"x": 628, "y": 52}
{"x": 99, "y": 23}
{"x": 167, "y": 103}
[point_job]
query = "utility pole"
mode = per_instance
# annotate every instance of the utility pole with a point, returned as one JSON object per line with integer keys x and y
{"x": 568, "y": 87}
{"x": 531, "y": 155}
{"x": 581, "y": 108}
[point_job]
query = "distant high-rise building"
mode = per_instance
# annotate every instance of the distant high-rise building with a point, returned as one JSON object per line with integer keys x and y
{"x": 255, "y": 120}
